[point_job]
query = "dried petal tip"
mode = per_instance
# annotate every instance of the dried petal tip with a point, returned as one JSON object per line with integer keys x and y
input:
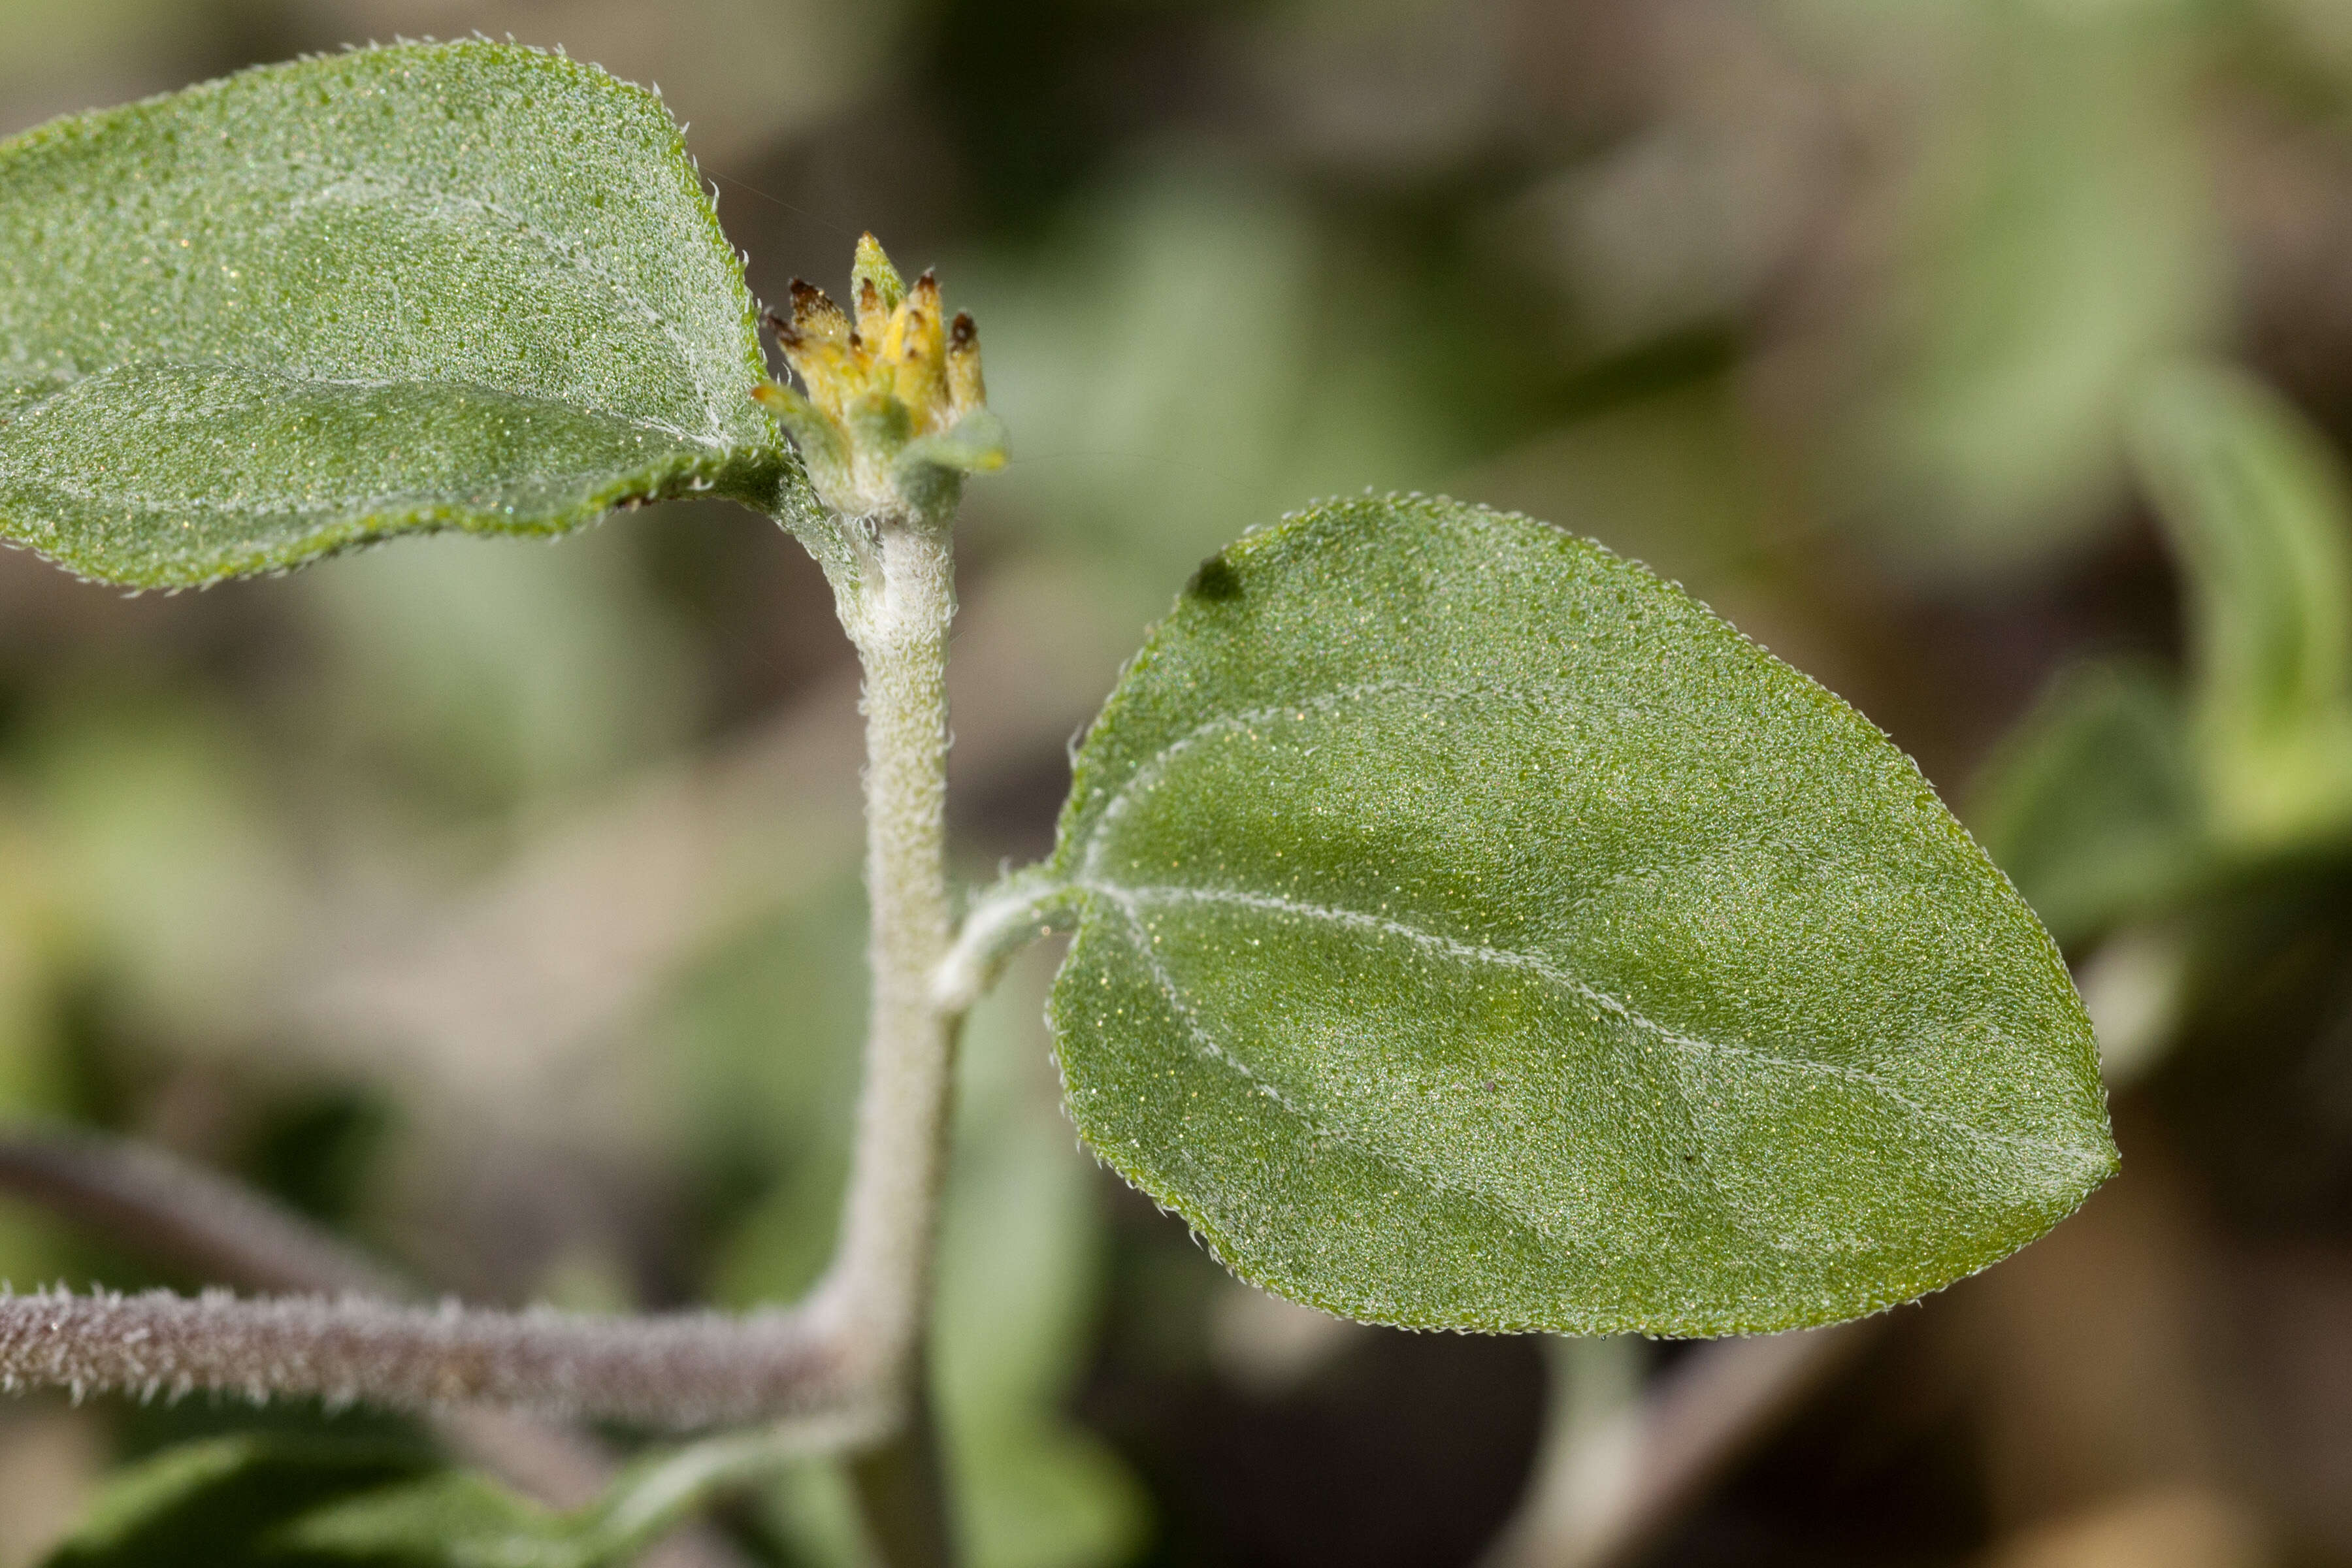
{"x": 815, "y": 312}
{"x": 967, "y": 392}
{"x": 883, "y": 426}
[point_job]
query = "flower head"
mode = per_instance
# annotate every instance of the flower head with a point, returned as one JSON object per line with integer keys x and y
{"x": 895, "y": 412}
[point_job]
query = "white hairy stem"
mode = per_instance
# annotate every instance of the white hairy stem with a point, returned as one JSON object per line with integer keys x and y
{"x": 683, "y": 1370}
{"x": 881, "y": 1275}
{"x": 880, "y": 1279}
{"x": 848, "y": 1351}
{"x": 342, "y": 1339}
{"x": 875, "y": 1300}
{"x": 1016, "y": 912}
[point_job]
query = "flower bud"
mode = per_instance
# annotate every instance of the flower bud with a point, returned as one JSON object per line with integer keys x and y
{"x": 894, "y": 411}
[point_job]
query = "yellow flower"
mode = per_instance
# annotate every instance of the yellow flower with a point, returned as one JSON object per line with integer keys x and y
{"x": 895, "y": 411}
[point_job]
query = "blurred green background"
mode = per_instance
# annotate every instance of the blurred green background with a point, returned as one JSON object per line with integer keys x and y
{"x": 1992, "y": 361}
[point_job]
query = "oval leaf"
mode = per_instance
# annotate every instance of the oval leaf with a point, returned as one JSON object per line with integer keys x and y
{"x": 1475, "y": 932}
{"x": 443, "y": 285}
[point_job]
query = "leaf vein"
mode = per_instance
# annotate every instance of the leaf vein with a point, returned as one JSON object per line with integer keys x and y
{"x": 1206, "y": 1044}
{"x": 1548, "y": 970}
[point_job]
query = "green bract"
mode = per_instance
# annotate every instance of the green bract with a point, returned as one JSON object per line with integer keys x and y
{"x": 1476, "y": 932}
{"x": 449, "y": 285}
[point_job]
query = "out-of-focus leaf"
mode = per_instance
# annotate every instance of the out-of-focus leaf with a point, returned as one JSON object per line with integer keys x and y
{"x": 1476, "y": 932}
{"x": 2055, "y": 238}
{"x": 2257, "y": 508}
{"x": 461, "y": 1521}
{"x": 435, "y": 286}
{"x": 155, "y": 819}
{"x": 1169, "y": 366}
{"x": 217, "y": 1504}
{"x": 2090, "y": 804}
{"x": 495, "y": 670}
{"x": 451, "y": 1521}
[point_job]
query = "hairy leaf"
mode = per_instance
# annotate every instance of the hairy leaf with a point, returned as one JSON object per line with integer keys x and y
{"x": 459, "y": 285}
{"x": 1476, "y": 932}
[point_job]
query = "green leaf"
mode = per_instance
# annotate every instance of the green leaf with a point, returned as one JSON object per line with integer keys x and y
{"x": 215, "y": 1504}
{"x": 459, "y": 285}
{"x": 2055, "y": 236}
{"x": 455, "y": 1519}
{"x": 1479, "y": 934}
{"x": 2257, "y": 507}
{"x": 2091, "y": 804}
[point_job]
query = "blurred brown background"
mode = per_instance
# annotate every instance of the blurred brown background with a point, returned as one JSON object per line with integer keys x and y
{"x": 497, "y": 903}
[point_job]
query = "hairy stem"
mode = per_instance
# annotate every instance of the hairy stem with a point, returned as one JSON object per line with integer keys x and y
{"x": 880, "y": 1277}
{"x": 182, "y": 1213}
{"x": 844, "y": 1367}
{"x": 689, "y": 1369}
{"x": 879, "y": 1284}
{"x": 850, "y": 1349}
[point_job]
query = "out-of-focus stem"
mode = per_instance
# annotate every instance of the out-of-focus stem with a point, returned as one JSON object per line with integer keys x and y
{"x": 1614, "y": 1472}
{"x": 180, "y": 1213}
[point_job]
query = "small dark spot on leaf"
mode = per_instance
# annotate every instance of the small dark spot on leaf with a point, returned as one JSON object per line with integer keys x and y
{"x": 1690, "y": 1159}
{"x": 1214, "y": 579}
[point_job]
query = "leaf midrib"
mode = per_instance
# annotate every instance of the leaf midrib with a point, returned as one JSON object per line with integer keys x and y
{"x": 1545, "y": 968}
{"x": 1148, "y": 772}
{"x": 1496, "y": 1202}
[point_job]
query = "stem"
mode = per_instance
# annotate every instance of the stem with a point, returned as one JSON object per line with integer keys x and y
{"x": 687, "y": 1369}
{"x": 1583, "y": 1469}
{"x": 161, "y": 1206}
{"x": 843, "y": 1364}
{"x": 218, "y": 1229}
{"x": 880, "y": 1277}
{"x": 1015, "y": 912}
{"x": 1610, "y": 1483}
{"x": 880, "y": 1282}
